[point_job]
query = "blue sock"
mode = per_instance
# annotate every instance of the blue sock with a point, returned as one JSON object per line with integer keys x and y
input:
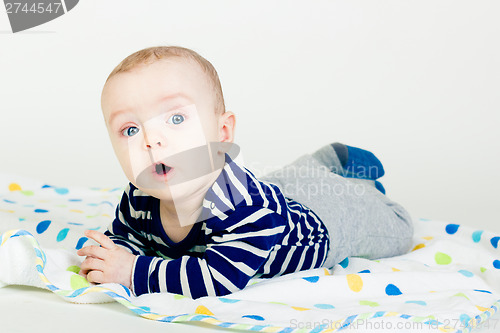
{"x": 359, "y": 163}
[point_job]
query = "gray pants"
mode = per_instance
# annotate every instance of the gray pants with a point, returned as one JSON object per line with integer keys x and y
{"x": 361, "y": 221}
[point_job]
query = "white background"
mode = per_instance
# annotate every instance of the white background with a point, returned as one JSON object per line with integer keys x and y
{"x": 416, "y": 82}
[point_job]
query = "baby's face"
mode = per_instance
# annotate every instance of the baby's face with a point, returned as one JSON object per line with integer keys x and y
{"x": 161, "y": 118}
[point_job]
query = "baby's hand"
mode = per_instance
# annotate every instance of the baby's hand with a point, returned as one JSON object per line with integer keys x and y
{"x": 107, "y": 264}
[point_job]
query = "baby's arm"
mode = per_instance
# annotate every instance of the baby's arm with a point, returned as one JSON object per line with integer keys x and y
{"x": 232, "y": 257}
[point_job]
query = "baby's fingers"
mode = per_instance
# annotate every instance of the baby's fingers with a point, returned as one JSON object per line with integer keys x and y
{"x": 92, "y": 251}
{"x": 100, "y": 238}
{"x": 91, "y": 264}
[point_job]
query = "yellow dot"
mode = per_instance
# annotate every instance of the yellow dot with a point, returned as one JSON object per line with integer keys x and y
{"x": 298, "y": 308}
{"x": 76, "y": 211}
{"x": 396, "y": 270}
{"x": 327, "y": 272}
{"x": 354, "y": 282}
{"x": 428, "y": 237}
{"x": 418, "y": 246}
{"x": 14, "y": 187}
{"x": 203, "y": 310}
{"x": 480, "y": 308}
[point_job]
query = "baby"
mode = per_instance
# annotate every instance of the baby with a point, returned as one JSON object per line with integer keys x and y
{"x": 194, "y": 221}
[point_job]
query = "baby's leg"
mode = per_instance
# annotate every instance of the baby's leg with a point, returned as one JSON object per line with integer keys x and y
{"x": 361, "y": 220}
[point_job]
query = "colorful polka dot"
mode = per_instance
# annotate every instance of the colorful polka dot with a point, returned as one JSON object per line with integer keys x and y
{"x": 61, "y": 190}
{"x": 254, "y": 317}
{"x": 62, "y": 234}
{"x": 344, "y": 263}
{"x": 476, "y": 236}
{"x": 324, "y": 306}
{"x": 417, "y": 302}
{"x": 77, "y": 282}
{"x": 369, "y": 303}
{"x": 177, "y": 296}
{"x": 418, "y": 246}
{"x": 464, "y": 319}
{"x": 14, "y": 187}
{"x": 312, "y": 279}
{"x": 354, "y": 282}
{"x": 466, "y": 273}
{"x": 9, "y": 201}
{"x": 482, "y": 269}
{"x": 483, "y": 291}
{"x": 496, "y": 264}
{"x": 27, "y": 193}
{"x": 228, "y": 300}
{"x": 39, "y": 210}
{"x": 364, "y": 271}
{"x": 203, "y": 310}
{"x": 42, "y": 226}
{"x": 299, "y": 308}
{"x": 494, "y": 241}
{"x": 74, "y": 269}
{"x": 442, "y": 258}
{"x": 80, "y": 242}
{"x": 452, "y": 228}
{"x": 461, "y": 295}
{"x": 392, "y": 290}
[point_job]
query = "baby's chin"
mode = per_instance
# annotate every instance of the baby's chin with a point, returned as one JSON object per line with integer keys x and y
{"x": 181, "y": 192}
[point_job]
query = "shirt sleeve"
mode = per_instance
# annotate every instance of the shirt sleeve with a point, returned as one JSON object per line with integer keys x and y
{"x": 233, "y": 255}
{"x": 121, "y": 231}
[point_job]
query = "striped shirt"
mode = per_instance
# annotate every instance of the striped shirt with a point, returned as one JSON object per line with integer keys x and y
{"x": 246, "y": 229}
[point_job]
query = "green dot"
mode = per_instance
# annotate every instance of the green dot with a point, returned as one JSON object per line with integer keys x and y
{"x": 28, "y": 193}
{"x": 179, "y": 296}
{"x": 78, "y": 282}
{"x": 482, "y": 269}
{"x": 369, "y": 303}
{"x": 74, "y": 269}
{"x": 442, "y": 258}
{"x": 461, "y": 295}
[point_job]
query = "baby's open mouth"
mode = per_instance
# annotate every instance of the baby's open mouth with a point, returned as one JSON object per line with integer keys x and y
{"x": 162, "y": 169}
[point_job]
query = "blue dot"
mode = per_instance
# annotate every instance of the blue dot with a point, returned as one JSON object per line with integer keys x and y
{"x": 496, "y": 264}
{"x": 42, "y": 226}
{"x": 365, "y": 271}
{"x": 324, "y": 306}
{"x": 392, "y": 290}
{"x": 483, "y": 291}
{"x": 452, "y": 228}
{"x": 75, "y": 200}
{"x": 494, "y": 241}
{"x": 476, "y": 236}
{"x": 312, "y": 279}
{"x": 344, "y": 263}
{"x": 417, "y": 302}
{"x": 228, "y": 300}
{"x": 46, "y": 186}
{"x": 464, "y": 319}
{"x": 465, "y": 273}
{"x": 62, "y": 190}
{"x": 38, "y": 210}
{"x": 62, "y": 234}
{"x": 9, "y": 201}
{"x": 254, "y": 317}
{"x": 80, "y": 242}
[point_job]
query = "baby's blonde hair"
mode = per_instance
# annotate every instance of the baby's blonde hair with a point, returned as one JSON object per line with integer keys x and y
{"x": 151, "y": 54}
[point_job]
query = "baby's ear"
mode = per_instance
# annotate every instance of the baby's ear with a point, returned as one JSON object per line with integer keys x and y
{"x": 227, "y": 125}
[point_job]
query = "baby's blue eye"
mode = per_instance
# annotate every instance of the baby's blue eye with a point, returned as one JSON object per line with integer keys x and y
{"x": 176, "y": 119}
{"x": 130, "y": 131}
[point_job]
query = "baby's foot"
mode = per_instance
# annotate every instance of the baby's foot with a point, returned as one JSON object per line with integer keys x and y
{"x": 357, "y": 162}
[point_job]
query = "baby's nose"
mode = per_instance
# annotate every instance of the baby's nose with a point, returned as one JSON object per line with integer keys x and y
{"x": 158, "y": 144}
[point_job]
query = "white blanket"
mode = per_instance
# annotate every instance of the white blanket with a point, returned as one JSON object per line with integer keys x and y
{"x": 449, "y": 281}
